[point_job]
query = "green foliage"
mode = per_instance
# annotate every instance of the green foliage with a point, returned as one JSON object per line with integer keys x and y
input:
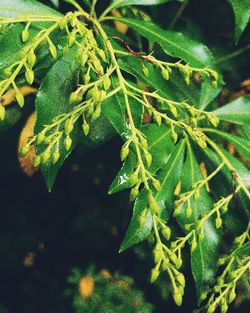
{"x": 162, "y": 104}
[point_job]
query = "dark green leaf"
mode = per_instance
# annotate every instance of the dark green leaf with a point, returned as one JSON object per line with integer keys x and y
{"x": 242, "y": 145}
{"x": 242, "y": 14}
{"x": 54, "y": 94}
{"x": 204, "y": 257}
{"x": 173, "y": 43}
{"x": 237, "y": 111}
{"x": 169, "y": 177}
{"x": 15, "y": 8}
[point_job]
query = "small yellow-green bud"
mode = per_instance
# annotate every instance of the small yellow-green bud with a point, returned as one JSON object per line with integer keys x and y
{"x": 224, "y": 209}
{"x": 2, "y": 112}
{"x": 154, "y": 206}
{"x": 173, "y": 110}
{"x": 232, "y": 296}
{"x": 181, "y": 279}
{"x": 67, "y": 143}
{"x": 189, "y": 212}
{"x": 165, "y": 264}
{"x": 47, "y": 140}
{"x": 55, "y": 157}
{"x": 102, "y": 95}
{"x": 201, "y": 236}
{"x": 148, "y": 158}
{"x": 25, "y": 35}
{"x": 144, "y": 143}
{"x": 218, "y": 222}
{"x": 133, "y": 179}
{"x": 71, "y": 39}
{"x": 192, "y": 111}
{"x": 86, "y": 78}
{"x": 46, "y": 156}
{"x": 65, "y": 50}
{"x": 143, "y": 217}
{"x": 31, "y": 58}
{"x": 177, "y": 296}
{"x": 20, "y": 98}
{"x": 165, "y": 74}
{"x": 96, "y": 113}
{"x": 84, "y": 59}
{"x": 174, "y": 136}
{"x": 157, "y": 119}
{"x": 202, "y": 143}
{"x": 157, "y": 253}
{"x": 69, "y": 126}
{"x": 166, "y": 232}
{"x": 106, "y": 83}
{"x": 62, "y": 23}
{"x": 74, "y": 98}
{"x": 157, "y": 185}
{"x": 29, "y": 75}
{"x": 203, "y": 296}
{"x": 40, "y": 138}
{"x": 193, "y": 244}
{"x": 53, "y": 50}
{"x": 154, "y": 275}
{"x": 224, "y": 308}
{"x": 85, "y": 128}
{"x": 134, "y": 193}
{"x": 37, "y": 161}
{"x": 24, "y": 151}
{"x": 177, "y": 262}
{"x": 197, "y": 194}
{"x": 211, "y": 308}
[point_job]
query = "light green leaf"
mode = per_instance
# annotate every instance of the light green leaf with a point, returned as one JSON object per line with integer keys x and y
{"x": 242, "y": 145}
{"x": 15, "y": 8}
{"x": 204, "y": 257}
{"x": 169, "y": 177}
{"x": 241, "y": 10}
{"x": 237, "y": 111}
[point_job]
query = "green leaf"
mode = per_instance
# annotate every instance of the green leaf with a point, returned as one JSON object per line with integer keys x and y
{"x": 241, "y": 10}
{"x": 243, "y": 251}
{"x": 237, "y": 111}
{"x": 15, "y": 8}
{"x": 242, "y": 145}
{"x": 160, "y": 146}
{"x": 121, "y": 3}
{"x": 53, "y": 100}
{"x": 173, "y": 43}
{"x": 204, "y": 257}
{"x": 169, "y": 177}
